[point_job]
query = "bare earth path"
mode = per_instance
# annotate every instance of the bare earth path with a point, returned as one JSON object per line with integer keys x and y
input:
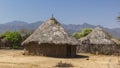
{"x": 15, "y": 59}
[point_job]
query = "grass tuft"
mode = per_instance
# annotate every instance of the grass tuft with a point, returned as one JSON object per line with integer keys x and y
{"x": 61, "y": 64}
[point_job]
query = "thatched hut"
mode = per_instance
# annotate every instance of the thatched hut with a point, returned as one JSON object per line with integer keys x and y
{"x": 98, "y": 41}
{"x": 50, "y": 39}
{"x": 98, "y": 36}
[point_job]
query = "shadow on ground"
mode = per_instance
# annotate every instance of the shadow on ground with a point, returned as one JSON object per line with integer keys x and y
{"x": 81, "y": 56}
{"x": 77, "y": 56}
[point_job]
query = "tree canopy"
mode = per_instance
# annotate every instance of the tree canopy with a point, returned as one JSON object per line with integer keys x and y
{"x": 83, "y": 33}
{"x": 14, "y": 38}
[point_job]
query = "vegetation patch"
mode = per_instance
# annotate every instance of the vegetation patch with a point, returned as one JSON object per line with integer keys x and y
{"x": 83, "y": 33}
{"x": 61, "y": 64}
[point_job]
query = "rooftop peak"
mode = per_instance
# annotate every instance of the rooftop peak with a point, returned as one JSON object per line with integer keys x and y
{"x": 98, "y": 28}
{"x": 52, "y": 15}
{"x": 52, "y": 18}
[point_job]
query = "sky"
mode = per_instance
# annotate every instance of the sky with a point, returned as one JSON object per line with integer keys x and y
{"x": 95, "y": 12}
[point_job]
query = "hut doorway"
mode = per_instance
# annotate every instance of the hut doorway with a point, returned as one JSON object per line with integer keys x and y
{"x": 68, "y": 51}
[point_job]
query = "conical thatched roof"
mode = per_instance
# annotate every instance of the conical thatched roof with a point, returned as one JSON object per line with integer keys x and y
{"x": 51, "y": 32}
{"x": 98, "y": 36}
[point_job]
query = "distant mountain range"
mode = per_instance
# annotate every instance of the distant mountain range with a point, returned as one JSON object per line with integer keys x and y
{"x": 70, "y": 28}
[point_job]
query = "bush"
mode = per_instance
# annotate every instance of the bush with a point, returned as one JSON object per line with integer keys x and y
{"x": 61, "y": 64}
{"x": 77, "y": 35}
{"x": 14, "y": 38}
{"x": 84, "y": 32}
{"x": 4, "y": 34}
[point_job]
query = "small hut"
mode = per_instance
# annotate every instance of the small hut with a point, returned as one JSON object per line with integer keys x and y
{"x": 98, "y": 41}
{"x": 50, "y": 39}
{"x": 99, "y": 37}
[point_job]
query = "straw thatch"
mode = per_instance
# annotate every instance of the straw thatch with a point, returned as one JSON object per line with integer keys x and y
{"x": 51, "y": 32}
{"x": 98, "y": 42}
{"x": 50, "y": 39}
{"x": 98, "y": 36}
{"x": 116, "y": 41}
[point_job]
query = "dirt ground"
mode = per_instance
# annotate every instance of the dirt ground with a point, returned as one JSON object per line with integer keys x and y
{"x": 15, "y": 59}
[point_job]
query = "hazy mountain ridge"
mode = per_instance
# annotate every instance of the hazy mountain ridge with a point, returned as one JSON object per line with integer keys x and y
{"x": 18, "y": 25}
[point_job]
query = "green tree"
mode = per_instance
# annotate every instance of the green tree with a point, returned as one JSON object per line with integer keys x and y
{"x": 77, "y": 35}
{"x": 4, "y": 34}
{"x": 83, "y": 33}
{"x": 86, "y": 31}
{"x": 14, "y": 39}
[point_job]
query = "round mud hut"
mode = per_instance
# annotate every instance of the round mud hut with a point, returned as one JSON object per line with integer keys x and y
{"x": 50, "y": 39}
{"x": 98, "y": 42}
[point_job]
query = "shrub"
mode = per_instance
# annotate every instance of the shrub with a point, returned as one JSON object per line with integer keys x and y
{"x": 14, "y": 38}
{"x": 61, "y": 64}
{"x": 84, "y": 32}
{"x": 77, "y": 35}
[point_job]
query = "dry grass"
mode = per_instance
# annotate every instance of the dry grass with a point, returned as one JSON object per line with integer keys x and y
{"x": 15, "y": 59}
{"x": 61, "y": 64}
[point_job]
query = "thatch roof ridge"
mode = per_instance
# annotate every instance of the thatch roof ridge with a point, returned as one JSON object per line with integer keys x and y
{"x": 51, "y": 32}
{"x": 98, "y": 36}
{"x": 116, "y": 41}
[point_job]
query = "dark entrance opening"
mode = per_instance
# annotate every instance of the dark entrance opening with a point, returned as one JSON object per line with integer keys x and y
{"x": 68, "y": 51}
